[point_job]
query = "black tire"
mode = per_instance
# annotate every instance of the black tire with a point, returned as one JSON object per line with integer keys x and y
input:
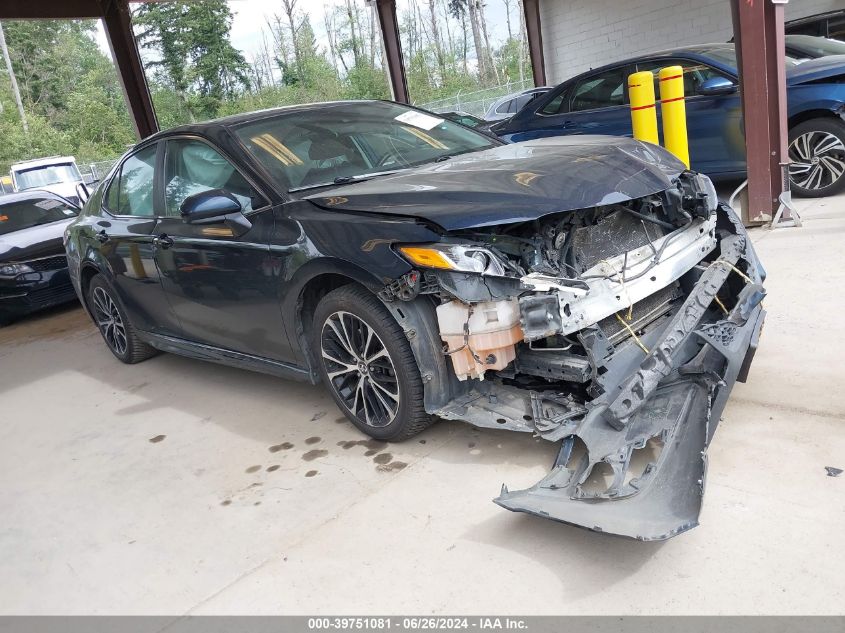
{"x": 391, "y": 370}
{"x": 817, "y": 151}
{"x": 128, "y": 348}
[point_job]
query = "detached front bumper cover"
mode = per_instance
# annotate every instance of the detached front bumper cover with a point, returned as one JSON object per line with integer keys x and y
{"x": 635, "y": 463}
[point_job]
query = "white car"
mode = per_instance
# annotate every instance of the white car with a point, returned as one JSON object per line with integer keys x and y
{"x": 58, "y": 174}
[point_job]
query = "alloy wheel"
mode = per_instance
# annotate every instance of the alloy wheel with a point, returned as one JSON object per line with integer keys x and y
{"x": 360, "y": 369}
{"x": 109, "y": 321}
{"x": 818, "y": 160}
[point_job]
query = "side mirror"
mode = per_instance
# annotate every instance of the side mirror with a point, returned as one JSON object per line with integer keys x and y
{"x": 717, "y": 86}
{"x": 82, "y": 193}
{"x": 215, "y": 206}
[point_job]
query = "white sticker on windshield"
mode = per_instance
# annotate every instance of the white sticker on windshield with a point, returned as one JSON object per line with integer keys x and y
{"x": 48, "y": 204}
{"x": 69, "y": 212}
{"x": 418, "y": 119}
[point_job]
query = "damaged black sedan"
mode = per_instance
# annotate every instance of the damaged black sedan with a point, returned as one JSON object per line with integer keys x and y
{"x": 587, "y": 290}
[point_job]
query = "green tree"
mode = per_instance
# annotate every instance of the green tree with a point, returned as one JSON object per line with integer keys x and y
{"x": 195, "y": 57}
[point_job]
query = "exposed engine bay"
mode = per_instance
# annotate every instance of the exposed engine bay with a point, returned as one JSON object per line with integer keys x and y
{"x": 617, "y": 330}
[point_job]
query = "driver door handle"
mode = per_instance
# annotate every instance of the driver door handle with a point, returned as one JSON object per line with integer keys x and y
{"x": 163, "y": 241}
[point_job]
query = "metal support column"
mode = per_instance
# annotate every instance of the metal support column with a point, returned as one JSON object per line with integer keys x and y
{"x": 758, "y": 33}
{"x": 118, "y": 27}
{"x": 393, "y": 49}
{"x": 534, "y": 31}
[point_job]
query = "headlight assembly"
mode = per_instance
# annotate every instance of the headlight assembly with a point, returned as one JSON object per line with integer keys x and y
{"x": 705, "y": 185}
{"x": 457, "y": 257}
{"x": 13, "y": 270}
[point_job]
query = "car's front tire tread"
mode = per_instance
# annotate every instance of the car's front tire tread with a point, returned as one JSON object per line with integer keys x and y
{"x": 412, "y": 417}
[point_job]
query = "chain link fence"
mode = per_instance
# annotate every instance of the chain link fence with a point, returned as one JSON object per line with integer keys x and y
{"x": 477, "y": 102}
{"x": 94, "y": 172}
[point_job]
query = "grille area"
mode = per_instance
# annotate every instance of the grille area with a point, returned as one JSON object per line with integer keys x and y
{"x": 47, "y": 263}
{"x": 54, "y": 294}
{"x": 643, "y": 313}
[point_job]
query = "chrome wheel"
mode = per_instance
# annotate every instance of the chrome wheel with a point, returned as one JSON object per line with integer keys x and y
{"x": 360, "y": 369}
{"x": 108, "y": 320}
{"x": 818, "y": 160}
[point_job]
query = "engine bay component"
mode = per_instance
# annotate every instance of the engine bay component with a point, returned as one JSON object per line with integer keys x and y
{"x": 479, "y": 336}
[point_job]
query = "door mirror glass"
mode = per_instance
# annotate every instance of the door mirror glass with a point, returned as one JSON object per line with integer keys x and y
{"x": 716, "y": 86}
{"x": 209, "y": 206}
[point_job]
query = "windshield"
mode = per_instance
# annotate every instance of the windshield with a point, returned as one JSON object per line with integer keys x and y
{"x": 815, "y": 46}
{"x": 727, "y": 55}
{"x": 23, "y": 214}
{"x": 337, "y": 142}
{"x": 47, "y": 175}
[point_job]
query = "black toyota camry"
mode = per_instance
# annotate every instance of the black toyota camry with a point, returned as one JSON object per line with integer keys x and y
{"x": 33, "y": 266}
{"x": 587, "y": 290}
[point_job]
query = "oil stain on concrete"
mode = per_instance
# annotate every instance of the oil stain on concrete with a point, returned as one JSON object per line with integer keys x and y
{"x": 314, "y": 454}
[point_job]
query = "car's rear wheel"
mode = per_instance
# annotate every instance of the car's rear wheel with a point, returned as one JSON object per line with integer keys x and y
{"x": 817, "y": 152}
{"x": 114, "y": 325}
{"x": 367, "y": 364}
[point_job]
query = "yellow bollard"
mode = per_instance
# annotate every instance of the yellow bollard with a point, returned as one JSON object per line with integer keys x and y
{"x": 674, "y": 112}
{"x": 643, "y": 112}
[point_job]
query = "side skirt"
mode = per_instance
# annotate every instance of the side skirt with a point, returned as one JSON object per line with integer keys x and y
{"x": 222, "y": 356}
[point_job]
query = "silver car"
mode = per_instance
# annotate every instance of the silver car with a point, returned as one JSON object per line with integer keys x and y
{"x": 505, "y": 107}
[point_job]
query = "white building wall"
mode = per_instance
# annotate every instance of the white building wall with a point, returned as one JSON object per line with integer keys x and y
{"x": 583, "y": 34}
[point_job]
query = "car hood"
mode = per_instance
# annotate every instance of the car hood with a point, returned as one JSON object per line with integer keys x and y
{"x": 514, "y": 182}
{"x": 34, "y": 242}
{"x": 815, "y": 69}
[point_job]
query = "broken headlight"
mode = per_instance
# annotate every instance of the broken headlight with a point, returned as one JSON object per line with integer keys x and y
{"x": 705, "y": 186}
{"x": 458, "y": 257}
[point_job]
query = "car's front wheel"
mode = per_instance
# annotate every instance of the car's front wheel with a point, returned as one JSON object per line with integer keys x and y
{"x": 817, "y": 152}
{"x": 367, "y": 364}
{"x": 114, "y": 325}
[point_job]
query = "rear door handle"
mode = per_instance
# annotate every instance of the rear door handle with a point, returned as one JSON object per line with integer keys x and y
{"x": 163, "y": 241}
{"x": 102, "y": 237}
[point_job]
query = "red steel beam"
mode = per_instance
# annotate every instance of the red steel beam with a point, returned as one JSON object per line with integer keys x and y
{"x": 386, "y": 10}
{"x": 118, "y": 26}
{"x": 534, "y": 31}
{"x": 57, "y": 10}
{"x": 117, "y": 21}
{"x": 758, "y": 33}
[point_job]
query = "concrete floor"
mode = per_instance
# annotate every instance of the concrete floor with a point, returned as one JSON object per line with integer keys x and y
{"x": 176, "y": 486}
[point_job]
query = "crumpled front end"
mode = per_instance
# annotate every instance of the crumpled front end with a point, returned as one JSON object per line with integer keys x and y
{"x": 634, "y": 464}
{"x": 617, "y": 331}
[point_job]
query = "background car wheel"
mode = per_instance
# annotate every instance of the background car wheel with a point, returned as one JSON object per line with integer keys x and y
{"x": 817, "y": 152}
{"x": 120, "y": 337}
{"x": 367, "y": 364}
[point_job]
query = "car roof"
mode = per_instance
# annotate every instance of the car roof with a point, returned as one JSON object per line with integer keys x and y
{"x": 41, "y": 162}
{"x": 814, "y": 18}
{"x": 696, "y": 49}
{"x": 235, "y": 120}
{"x": 29, "y": 194}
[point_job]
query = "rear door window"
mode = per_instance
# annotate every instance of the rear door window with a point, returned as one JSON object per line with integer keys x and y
{"x": 131, "y": 188}
{"x": 603, "y": 90}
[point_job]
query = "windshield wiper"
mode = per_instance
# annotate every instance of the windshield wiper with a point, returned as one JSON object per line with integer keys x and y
{"x": 343, "y": 180}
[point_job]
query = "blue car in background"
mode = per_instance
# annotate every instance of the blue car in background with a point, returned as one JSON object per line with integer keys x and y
{"x": 596, "y": 102}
